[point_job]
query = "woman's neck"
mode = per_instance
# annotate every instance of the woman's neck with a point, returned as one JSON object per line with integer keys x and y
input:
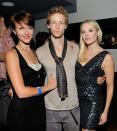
{"x": 23, "y": 46}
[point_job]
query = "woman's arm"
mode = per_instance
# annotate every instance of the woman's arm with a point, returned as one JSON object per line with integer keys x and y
{"x": 108, "y": 67}
{"x": 15, "y": 75}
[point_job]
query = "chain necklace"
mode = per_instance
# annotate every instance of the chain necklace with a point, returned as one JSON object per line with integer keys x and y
{"x": 29, "y": 55}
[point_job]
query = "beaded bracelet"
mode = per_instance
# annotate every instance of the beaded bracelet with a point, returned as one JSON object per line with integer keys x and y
{"x": 39, "y": 89}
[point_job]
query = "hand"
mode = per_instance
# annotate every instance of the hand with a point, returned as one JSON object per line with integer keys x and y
{"x": 10, "y": 93}
{"x": 103, "y": 119}
{"x": 101, "y": 80}
{"x": 51, "y": 83}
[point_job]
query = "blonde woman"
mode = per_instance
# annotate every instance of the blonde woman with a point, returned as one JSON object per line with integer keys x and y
{"x": 93, "y": 61}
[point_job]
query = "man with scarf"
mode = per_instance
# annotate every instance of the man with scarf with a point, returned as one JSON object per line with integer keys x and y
{"x": 58, "y": 57}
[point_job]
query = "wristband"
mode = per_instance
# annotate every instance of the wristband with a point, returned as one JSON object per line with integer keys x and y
{"x": 39, "y": 89}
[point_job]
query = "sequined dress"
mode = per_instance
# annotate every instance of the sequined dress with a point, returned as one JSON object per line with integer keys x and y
{"x": 89, "y": 91}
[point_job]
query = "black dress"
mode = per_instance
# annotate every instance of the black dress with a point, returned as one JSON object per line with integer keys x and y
{"x": 27, "y": 113}
{"x": 89, "y": 92}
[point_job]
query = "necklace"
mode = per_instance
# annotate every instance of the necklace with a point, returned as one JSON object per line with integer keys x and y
{"x": 29, "y": 55}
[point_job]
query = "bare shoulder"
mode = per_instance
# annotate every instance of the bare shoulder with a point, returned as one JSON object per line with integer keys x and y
{"x": 108, "y": 58}
{"x": 11, "y": 53}
{"x": 108, "y": 61}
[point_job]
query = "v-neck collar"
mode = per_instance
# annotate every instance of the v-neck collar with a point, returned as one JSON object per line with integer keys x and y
{"x": 24, "y": 59}
{"x": 91, "y": 59}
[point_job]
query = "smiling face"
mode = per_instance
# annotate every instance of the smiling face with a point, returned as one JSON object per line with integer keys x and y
{"x": 57, "y": 25}
{"x": 24, "y": 32}
{"x": 89, "y": 34}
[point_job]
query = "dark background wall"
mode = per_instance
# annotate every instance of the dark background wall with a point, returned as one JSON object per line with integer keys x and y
{"x": 108, "y": 26}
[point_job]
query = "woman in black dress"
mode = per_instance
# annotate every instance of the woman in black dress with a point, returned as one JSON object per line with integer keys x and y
{"x": 93, "y": 62}
{"x": 27, "y": 108}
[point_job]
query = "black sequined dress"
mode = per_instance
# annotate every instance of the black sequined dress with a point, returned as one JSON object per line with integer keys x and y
{"x": 89, "y": 92}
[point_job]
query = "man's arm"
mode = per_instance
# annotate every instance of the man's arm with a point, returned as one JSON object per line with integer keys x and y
{"x": 2, "y": 57}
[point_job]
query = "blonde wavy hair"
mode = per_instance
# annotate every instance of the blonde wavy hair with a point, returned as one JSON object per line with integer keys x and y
{"x": 83, "y": 46}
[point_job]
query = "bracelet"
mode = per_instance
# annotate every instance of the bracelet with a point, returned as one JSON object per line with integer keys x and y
{"x": 39, "y": 89}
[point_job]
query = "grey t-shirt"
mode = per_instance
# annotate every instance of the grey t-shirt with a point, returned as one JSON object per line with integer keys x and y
{"x": 52, "y": 99}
